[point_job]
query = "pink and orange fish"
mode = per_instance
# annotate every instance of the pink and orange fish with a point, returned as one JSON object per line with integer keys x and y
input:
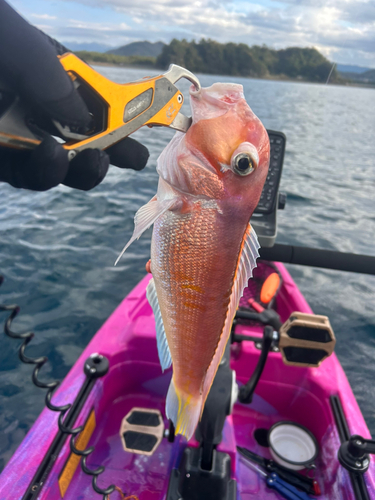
{"x": 203, "y": 248}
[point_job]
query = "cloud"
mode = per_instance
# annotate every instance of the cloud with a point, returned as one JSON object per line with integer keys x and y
{"x": 43, "y": 16}
{"x": 44, "y": 27}
{"x": 330, "y": 25}
{"x": 112, "y": 35}
{"x": 90, "y": 26}
{"x": 355, "y": 11}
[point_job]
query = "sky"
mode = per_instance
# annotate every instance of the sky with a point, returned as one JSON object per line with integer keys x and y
{"x": 342, "y": 30}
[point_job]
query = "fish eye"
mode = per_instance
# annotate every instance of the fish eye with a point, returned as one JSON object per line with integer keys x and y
{"x": 243, "y": 164}
{"x": 245, "y": 159}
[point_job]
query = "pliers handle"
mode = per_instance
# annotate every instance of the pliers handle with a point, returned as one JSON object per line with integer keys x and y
{"x": 117, "y": 110}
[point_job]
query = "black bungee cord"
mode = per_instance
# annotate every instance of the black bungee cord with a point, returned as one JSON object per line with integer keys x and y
{"x": 26, "y": 338}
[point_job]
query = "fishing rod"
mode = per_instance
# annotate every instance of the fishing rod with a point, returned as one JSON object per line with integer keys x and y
{"x": 330, "y": 73}
{"x": 317, "y": 257}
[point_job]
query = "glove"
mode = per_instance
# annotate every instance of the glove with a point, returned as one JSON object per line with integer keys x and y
{"x": 29, "y": 64}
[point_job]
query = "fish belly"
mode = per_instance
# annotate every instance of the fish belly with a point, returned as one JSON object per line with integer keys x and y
{"x": 194, "y": 258}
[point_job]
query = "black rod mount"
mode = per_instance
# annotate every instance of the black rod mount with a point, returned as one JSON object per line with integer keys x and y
{"x": 316, "y": 257}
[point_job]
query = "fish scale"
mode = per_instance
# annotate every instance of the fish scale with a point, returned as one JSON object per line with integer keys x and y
{"x": 192, "y": 311}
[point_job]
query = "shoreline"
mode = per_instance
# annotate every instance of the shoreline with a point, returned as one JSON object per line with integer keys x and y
{"x": 273, "y": 79}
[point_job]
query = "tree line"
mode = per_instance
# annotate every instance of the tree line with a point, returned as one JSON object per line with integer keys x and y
{"x": 208, "y": 56}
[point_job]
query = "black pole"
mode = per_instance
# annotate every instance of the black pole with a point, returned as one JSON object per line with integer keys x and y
{"x": 247, "y": 391}
{"x": 317, "y": 257}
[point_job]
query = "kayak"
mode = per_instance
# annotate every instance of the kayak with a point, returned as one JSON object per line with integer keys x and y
{"x": 118, "y": 392}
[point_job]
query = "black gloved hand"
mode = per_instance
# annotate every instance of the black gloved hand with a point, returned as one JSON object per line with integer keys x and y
{"x": 29, "y": 64}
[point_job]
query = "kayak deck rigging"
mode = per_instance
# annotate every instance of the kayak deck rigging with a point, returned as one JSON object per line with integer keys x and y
{"x": 135, "y": 381}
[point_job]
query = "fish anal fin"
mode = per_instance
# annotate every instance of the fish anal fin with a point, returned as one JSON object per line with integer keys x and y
{"x": 183, "y": 410}
{"x": 161, "y": 338}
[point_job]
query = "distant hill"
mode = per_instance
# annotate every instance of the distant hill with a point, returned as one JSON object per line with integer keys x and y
{"x": 366, "y": 77}
{"x": 347, "y": 68}
{"x": 210, "y": 57}
{"x": 145, "y": 49}
{"x": 369, "y": 74}
{"x": 101, "y": 58}
{"x": 90, "y": 47}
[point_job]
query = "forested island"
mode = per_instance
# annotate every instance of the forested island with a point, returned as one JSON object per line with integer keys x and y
{"x": 233, "y": 59}
{"x": 208, "y": 56}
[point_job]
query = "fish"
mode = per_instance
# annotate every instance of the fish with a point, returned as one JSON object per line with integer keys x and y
{"x": 203, "y": 248}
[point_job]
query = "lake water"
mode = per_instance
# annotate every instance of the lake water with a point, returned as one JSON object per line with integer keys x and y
{"x": 57, "y": 248}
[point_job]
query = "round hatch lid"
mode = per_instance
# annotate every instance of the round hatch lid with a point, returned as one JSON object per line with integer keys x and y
{"x": 292, "y": 445}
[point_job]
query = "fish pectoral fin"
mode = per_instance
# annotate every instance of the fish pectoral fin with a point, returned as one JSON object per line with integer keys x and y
{"x": 161, "y": 338}
{"x": 145, "y": 217}
{"x": 183, "y": 410}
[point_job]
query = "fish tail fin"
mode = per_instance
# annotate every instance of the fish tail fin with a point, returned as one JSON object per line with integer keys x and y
{"x": 183, "y": 410}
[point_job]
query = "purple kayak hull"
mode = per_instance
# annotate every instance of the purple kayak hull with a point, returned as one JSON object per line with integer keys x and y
{"x": 135, "y": 379}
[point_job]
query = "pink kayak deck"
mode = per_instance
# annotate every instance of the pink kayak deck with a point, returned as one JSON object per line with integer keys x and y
{"x": 135, "y": 379}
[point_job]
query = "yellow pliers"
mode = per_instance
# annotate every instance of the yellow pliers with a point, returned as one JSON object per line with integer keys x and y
{"x": 117, "y": 110}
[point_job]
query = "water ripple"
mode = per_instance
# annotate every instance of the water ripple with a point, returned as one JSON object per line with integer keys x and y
{"x": 57, "y": 248}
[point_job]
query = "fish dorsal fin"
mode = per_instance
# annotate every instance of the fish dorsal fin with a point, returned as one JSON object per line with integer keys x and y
{"x": 161, "y": 338}
{"x": 245, "y": 265}
{"x": 247, "y": 261}
{"x": 145, "y": 217}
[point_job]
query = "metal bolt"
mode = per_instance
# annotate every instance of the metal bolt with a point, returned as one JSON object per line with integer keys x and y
{"x": 358, "y": 464}
{"x": 358, "y": 442}
{"x": 258, "y": 345}
{"x": 187, "y": 475}
{"x": 71, "y": 154}
{"x": 365, "y": 462}
{"x": 92, "y": 370}
{"x": 179, "y": 98}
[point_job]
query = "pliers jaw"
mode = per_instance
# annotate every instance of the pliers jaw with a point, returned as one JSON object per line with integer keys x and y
{"x": 174, "y": 74}
{"x": 181, "y": 123}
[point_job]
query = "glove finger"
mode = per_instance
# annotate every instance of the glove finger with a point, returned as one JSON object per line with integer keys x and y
{"x": 43, "y": 168}
{"x": 128, "y": 153}
{"x": 87, "y": 169}
{"x": 29, "y": 62}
